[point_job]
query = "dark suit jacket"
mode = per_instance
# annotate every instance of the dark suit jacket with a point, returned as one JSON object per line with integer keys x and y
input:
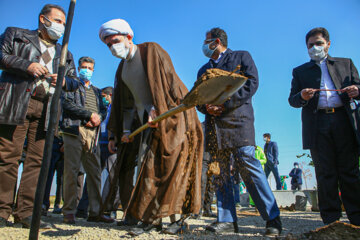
{"x": 272, "y": 153}
{"x": 342, "y": 72}
{"x": 235, "y": 126}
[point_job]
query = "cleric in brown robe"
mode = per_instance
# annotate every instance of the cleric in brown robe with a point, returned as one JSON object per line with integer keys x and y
{"x": 147, "y": 85}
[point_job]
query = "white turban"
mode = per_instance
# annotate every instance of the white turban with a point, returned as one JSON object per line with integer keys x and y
{"x": 113, "y": 27}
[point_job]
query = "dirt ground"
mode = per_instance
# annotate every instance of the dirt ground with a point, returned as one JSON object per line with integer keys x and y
{"x": 251, "y": 226}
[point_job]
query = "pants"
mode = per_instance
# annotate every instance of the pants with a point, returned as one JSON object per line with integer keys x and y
{"x": 207, "y": 191}
{"x": 295, "y": 186}
{"x": 84, "y": 201}
{"x": 74, "y": 155}
{"x": 270, "y": 167}
{"x": 236, "y": 189}
{"x": 56, "y": 164}
{"x": 12, "y": 138}
{"x": 336, "y": 163}
{"x": 115, "y": 199}
{"x": 255, "y": 180}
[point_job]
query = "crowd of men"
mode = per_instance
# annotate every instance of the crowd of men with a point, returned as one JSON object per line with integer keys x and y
{"x": 171, "y": 176}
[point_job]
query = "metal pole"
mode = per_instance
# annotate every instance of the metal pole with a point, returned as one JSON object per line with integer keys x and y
{"x": 40, "y": 189}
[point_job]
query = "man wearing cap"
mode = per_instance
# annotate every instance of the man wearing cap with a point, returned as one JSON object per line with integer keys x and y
{"x": 146, "y": 86}
{"x": 29, "y": 62}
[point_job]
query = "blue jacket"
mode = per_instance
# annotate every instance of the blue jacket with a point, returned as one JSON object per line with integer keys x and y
{"x": 74, "y": 113}
{"x": 235, "y": 126}
{"x": 272, "y": 153}
{"x": 296, "y": 175}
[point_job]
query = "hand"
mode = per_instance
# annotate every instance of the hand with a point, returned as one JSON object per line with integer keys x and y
{"x": 125, "y": 138}
{"x": 95, "y": 119}
{"x": 62, "y": 148}
{"x": 352, "y": 91}
{"x": 89, "y": 124}
{"x": 215, "y": 110}
{"x": 54, "y": 79}
{"x": 112, "y": 146}
{"x": 37, "y": 70}
{"x": 307, "y": 93}
{"x": 152, "y": 116}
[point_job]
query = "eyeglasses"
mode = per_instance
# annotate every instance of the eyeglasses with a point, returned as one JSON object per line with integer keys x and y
{"x": 206, "y": 41}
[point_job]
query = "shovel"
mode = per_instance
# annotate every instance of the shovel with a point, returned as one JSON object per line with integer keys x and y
{"x": 215, "y": 89}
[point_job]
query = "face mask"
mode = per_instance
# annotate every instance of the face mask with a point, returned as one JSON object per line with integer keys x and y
{"x": 296, "y": 166}
{"x": 207, "y": 51}
{"x": 55, "y": 31}
{"x": 85, "y": 74}
{"x": 265, "y": 139}
{"x": 105, "y": 101}
{"x": 119, "y": 50}
{"x": 317, "y": 53}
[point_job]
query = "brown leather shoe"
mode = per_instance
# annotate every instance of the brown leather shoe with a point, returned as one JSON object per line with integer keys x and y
{"x": 69, "y": 219}
{"x": 101, "y": 218}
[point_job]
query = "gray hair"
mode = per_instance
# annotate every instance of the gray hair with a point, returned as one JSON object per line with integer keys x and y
{"x": 86, "y": 59}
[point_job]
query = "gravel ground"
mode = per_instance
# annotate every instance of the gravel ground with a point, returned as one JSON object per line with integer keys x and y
{"x": 251, "y": 226}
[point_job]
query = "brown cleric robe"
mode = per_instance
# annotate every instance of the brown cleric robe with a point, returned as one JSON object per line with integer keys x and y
{"x": 170, "y": 177}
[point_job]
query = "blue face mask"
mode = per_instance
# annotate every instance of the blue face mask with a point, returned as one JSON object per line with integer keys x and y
{"x": 206, "y": 49}
{"x": 105, "y": 101}
{"x": 85, "y": 74}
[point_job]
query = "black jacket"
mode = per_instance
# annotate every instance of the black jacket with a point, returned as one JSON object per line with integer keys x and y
{"x": 74, "y": 113}
{"x": 343, "y": 74}
{"x": 235, "y": 126}
{"x": 18, "y": 49}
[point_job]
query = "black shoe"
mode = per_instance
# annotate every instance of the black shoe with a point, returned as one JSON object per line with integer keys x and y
{"x": 221, "y": 227}
{"x": 273, "y": 227}
{"x": 81, "y": 214}
{"x": 5, "y": 223}
{"x": 26, "y": 223}
{"x": 178, "y": 227}
{"x": 209, "y": 214}
{"x": 144, "y": 228}
{"x": 57, "y": 210}
{"x": 128, "y": 221}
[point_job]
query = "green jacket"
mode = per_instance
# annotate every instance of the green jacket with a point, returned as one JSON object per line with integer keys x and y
{"x": 260, "y": 155}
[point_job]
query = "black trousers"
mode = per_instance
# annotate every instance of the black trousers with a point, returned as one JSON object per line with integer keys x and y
{"x": 336, "y": 161}
{"x": 207, "y": 186}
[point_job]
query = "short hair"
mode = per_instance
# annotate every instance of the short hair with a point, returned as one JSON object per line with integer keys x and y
{"x": 86, "y": 59}
{"x": 267, "y": 135}
{"x": 47, "y": 9}
{"x": 316, "y": 31}
{"x": 219, "y": 33}
{"x": 107, "y": 90}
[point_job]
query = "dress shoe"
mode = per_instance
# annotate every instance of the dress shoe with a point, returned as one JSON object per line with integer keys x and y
{"x": 128, "y": 221}
{"x": 144, "y": 228}
{"x": 69, "y": 219}
{"x": 26, "y": 223}
{"x": 273, "y": 227}
{"x": 57, "y": 209}
{"x": 101, "y": 218}
{"x": 222, "y": 227}
{"x": 5, "y": 223}
{"x": 81, "y": 214}
{"x": 209, "y": 214}
{"x": 178, "y": 227}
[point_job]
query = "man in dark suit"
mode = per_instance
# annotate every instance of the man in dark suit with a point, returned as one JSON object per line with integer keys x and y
{"x": 230, "y": 131}
{"x": 272, "y": 155}
{"x": 325, "y": 88}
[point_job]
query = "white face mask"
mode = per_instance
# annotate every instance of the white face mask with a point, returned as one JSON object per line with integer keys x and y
{"x": 119, "y": 50}
{"x": 296, "y": 166}
{"x": 317, "y": 53}
{"x": 55, "y": 31}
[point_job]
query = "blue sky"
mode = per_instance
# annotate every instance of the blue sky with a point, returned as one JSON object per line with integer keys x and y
{"x": 272, "y": 31}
